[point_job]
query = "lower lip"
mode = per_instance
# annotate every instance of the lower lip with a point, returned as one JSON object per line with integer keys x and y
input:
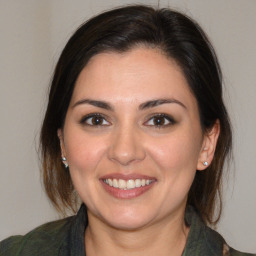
{"x": 126, "y": 194}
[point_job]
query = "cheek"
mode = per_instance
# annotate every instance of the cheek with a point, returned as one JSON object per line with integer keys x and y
{"x": 84, "y": 152}
{"x": 176, "y": 153}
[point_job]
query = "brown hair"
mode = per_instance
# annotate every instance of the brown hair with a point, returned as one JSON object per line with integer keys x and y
{"x": 119, "y": 30}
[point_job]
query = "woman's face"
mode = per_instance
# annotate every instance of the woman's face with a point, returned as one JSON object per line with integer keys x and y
{"x": 132, "y": 138}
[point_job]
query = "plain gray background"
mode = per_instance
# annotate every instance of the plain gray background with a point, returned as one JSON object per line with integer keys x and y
{"x": 32, "y": 35}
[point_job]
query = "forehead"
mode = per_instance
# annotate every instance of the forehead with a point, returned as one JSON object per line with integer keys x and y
{"x": 133, "y": 76}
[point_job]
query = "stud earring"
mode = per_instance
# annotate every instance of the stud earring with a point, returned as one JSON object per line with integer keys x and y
{"x": 205, "y": 163}
{"x": 64, "y": 160}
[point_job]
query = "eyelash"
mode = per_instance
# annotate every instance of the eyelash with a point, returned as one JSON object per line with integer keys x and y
{"x": 103, "y": 119}
{"x": 84, "y": 120}
{"x": 167, "y": 118}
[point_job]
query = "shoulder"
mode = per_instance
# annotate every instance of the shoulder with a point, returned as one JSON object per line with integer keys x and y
{"x": 203, "y": 240}
{"x": 214, "y": 238}
{"x": 41, "y": 241}
{"x": 228, "y": 251}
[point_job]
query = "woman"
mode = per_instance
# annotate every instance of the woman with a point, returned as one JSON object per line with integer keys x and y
{"x": 135, "y": 128}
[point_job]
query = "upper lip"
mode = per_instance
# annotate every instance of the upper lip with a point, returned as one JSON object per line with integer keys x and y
{"x": 132, "y": 176}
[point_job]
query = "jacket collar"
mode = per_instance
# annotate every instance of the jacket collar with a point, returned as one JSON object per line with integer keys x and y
{"x": 201, "y": 239}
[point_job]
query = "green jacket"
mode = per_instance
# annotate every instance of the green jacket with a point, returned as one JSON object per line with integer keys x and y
{"x": 66, "y": 238}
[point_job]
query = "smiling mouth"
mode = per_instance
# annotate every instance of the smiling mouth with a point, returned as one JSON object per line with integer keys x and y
{"x": 127, "y": 184}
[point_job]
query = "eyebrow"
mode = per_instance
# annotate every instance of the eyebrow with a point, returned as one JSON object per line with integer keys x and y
{"x": 157, "y": 102}
{"x": 96, "y": 103}
{"x": 143, "y": 106}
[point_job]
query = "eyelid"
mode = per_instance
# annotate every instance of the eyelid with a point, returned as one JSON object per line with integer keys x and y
{"x": 91, "y": 115}
{"x": 166, "y": 116}
{"x": 170, "y": 119}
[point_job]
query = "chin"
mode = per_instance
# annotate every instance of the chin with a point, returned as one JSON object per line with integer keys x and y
{"x": 128, "y": 224}
{"x": 128, "y": 219}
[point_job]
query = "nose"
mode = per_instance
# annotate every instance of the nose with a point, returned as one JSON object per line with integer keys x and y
{"x": 126, "y": 146}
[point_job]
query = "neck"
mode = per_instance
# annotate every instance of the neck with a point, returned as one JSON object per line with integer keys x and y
{"x": 167, "y": 237}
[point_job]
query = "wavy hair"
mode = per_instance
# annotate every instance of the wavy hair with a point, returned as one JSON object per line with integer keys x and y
{"x": 119, "y": 30}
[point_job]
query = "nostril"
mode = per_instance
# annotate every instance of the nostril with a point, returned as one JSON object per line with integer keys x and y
{"x": 126, "y": 149}
{"x": 123, "y": 159}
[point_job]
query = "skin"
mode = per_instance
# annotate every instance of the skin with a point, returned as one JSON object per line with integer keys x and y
{"x": 128, "y": 141}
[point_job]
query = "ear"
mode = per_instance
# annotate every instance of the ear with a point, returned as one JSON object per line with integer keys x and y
{"x": 208, "y": 147}
{"x": 62, "y": 146}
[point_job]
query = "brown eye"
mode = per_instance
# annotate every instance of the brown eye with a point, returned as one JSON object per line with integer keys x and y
{"x": 95, "y": 120}
{"x": 160, "y": 120}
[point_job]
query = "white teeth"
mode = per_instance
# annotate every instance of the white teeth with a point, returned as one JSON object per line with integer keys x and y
{"x": 110, "y": 182}
{"x": 122, "y": 184}
{"x": 137, "y": 183}
{"x": 129, "y": 184}
{"x": 115, "y": 183}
